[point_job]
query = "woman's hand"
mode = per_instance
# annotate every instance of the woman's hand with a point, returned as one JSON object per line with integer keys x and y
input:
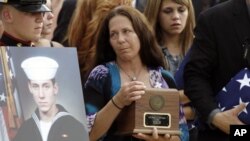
{"x": 129, "y": 92}
{"x": 156, "y": 137}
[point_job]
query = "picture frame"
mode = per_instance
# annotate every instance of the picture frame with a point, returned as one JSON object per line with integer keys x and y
{"x": 16, "y": 102}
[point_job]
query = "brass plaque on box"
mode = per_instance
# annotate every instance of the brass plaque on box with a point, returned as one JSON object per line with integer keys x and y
{"x": 157, "y": 108}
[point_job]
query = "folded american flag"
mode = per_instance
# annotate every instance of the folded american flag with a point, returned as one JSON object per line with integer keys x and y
{"x": 237, "y": 91}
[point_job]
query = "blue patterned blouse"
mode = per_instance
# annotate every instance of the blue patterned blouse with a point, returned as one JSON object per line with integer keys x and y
{"x": 104, "y": 82}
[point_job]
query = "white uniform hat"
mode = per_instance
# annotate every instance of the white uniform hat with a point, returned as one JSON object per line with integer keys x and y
{"x": 40, "y": 68}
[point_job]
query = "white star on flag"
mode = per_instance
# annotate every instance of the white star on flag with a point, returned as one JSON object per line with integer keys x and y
{"x": 224, "y": 89}
{"x": 244, "y": 82}
{"x": 237, "y": 92}
{"x": 11, "y": 74}
{"x": 246, "y": 103}
{"x": 7, "y": 56}
{"x": 2, "y": 97}
{"x": 221, "y": 108}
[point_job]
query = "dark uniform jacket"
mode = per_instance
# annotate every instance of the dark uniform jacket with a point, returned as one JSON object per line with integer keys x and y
{"x": 217, "y": 53}
{"x": 8, "y": 40}
{"x": 64, "y": 128}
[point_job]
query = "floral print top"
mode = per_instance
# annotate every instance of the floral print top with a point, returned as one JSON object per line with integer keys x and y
{"x": 104, "y": 82}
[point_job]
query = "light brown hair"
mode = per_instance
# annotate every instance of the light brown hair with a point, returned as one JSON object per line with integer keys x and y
{"x": 152, "y": 10}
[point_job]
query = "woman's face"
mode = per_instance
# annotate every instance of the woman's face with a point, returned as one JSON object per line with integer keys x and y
{"x": 123, "y": 38}
{"x": 172, "y": 17}
{"x": 47, "y": 20}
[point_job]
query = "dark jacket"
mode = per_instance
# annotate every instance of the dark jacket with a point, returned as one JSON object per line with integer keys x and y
{"x": 217, "y": 53}
{"x": 64, "y": 128}
{"x": 8, "y": 40}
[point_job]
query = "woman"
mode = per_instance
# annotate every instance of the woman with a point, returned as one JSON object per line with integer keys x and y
{"x": 127, "y": 61}
{"x": 48, "y": 20}
{"x": 173, "y": 22}
{"x": 83, "y": 29}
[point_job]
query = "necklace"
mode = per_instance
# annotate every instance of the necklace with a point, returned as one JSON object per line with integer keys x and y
{"x": 132, "y": 78}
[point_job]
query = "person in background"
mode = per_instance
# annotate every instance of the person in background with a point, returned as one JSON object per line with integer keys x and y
{"x": 1, "y": 28}
{"x": 56, "y": 7}
{"x": 139, "y": 4}
{"x": 218, "y": 54}
{"x": 50, "y": 121}
{"x": 22, "y": 21}
{"x": 77, "y": 27}
{"x": 202, "y": 5}
{"x": 127, "y": 60}
{"x": 63, "y": 20}
{"x": 48, "y": 20}
{"x": 173, "y": 23}
{"x": 83, "y": 31}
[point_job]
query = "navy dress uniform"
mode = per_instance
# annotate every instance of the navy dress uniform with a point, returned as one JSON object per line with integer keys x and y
{"x": 30, "y": 6}
{"x": 62, "y": 126}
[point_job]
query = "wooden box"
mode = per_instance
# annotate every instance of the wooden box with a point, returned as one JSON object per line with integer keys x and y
{"x": 157, "y": 108}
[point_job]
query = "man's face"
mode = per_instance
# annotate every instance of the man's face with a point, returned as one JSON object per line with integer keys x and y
{"x": 23, "y": 25}
{"x": 44, "y": 93}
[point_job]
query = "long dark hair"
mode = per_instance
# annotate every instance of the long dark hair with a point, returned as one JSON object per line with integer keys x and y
{"x": 150, "y": 52}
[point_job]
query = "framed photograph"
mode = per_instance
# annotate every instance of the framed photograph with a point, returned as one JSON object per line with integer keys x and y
{"x": 41, "y": 95}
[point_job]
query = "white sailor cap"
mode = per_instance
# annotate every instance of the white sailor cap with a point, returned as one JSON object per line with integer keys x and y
{"x": 40, "y": 68}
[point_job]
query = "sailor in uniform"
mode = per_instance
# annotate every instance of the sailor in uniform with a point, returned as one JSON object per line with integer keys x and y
{"x": 50, "y": 121}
